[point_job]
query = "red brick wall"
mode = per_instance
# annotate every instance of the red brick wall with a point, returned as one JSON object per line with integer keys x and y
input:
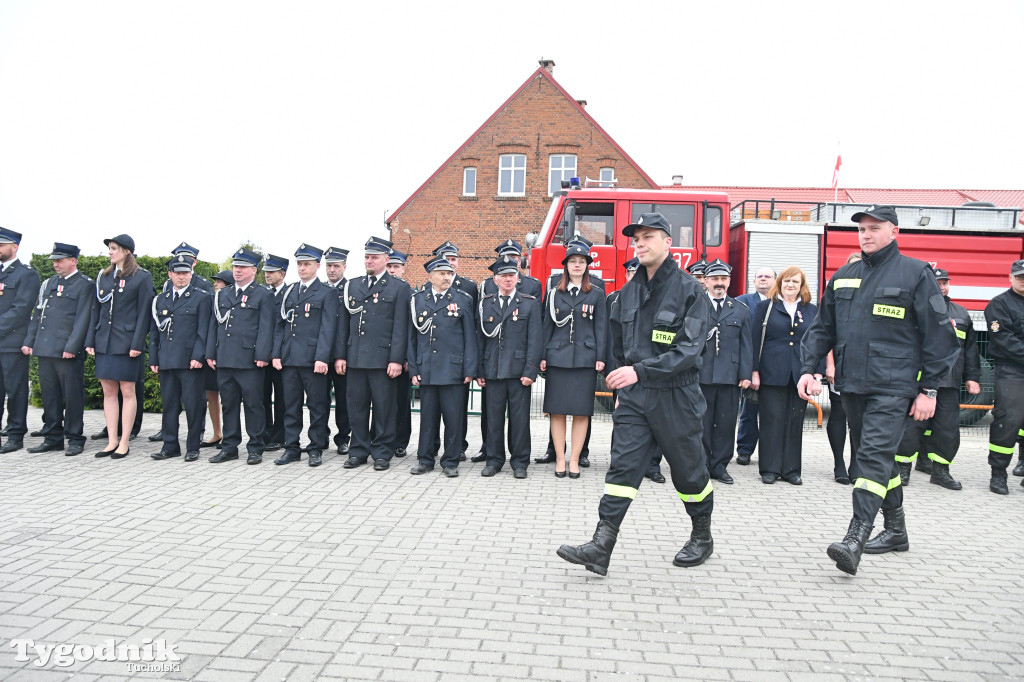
{"x": 538, "y": 123}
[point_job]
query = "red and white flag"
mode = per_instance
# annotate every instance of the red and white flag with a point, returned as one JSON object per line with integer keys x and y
{"x": 835, "y": 173}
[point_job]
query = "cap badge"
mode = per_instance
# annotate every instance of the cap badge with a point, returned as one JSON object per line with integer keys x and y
{"x": 994, "y": 326}
{"x": 640, "y": 220}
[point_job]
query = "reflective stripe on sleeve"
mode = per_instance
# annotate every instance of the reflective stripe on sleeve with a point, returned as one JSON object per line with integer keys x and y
{"x": 871, "y": 486}
{"x": 619, "y": 490}
{"x": 699, "y": 497}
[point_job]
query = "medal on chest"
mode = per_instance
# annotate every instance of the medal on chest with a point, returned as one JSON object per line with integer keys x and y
{"x": 2, "y": 285}
{"x": 375, "y": 297}
{"x": 60, "y": 289}
{"x": 245, "y": 297}
{"x": 307, "y": 310}
{"x": 453, "y": 310}
{"x": 515, "y": 314}
{"x": 120, "y": 287}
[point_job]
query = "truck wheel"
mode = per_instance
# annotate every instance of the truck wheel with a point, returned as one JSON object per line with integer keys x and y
{"x": 969, "y": 417}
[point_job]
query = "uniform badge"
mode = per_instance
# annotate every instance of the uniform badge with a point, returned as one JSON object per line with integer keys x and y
{"x": 60, "y": 289}
{"x": 120, "y": 286}
{"x": 307, "y": 310}
{"x": 163, "y": 312}
{"x": 453, "y": 310}
{"x": 375, "y": 298}
{"x": 245, "y": 297}
{"x": 490, "y": 319}
{"x": 994, "y": 326}
{"x": 515, "y": 314}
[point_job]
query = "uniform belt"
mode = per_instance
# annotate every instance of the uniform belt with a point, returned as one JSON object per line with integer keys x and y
{"x": 685, "y": 379}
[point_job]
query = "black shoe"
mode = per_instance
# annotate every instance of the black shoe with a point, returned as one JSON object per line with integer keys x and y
{"x": 596, "y": 554}
{"x": 843, "y": 480}
{"x": 998, "y": 482}
{"x": 158, "y": 436}
{"x": 769, "y": 478}
{"x": 724, "y": 477}
{"x": 940, "y": 476}
{"x": 34, "y": 434}
{"x": 120, "y": 455}
{"x": 450, "y": 472}
{"x": 50, "y": 446}
{"x": 271, "y": 446}
{"x": 253, "y": 458}
{"x": 489, "y": 470}
{"x": 316, "y": 458}
{"x": 400, "y": 452}
{"x": 102, "y": 435}
{"x": 479, "y": 457}
{"x": 584, "y": 461}
{"x": 546, "y": 459}
{"x": 104, "y": 453}
{"x": 191, "y": 455}
{"x": 560, "y": 474}
{"x": 794, "y": 480}
{"x": 381, "y": 465}
{"x": 923, "y": 464}
{"x": 573, "y": 474}
{"x": 3, "y": 432}
{"x": 1019, "y": 469}
{"x": 223, "y": 457}
{"x": 519, "y": 473}
{"x": 700, "y": 545}
{"x": 211, "y": 444}
{"x": 846, "y": 553}
{"x": 743, "y": 459}
{"x": 352, "y": 463}
{"x": 904, "y": 468}
{"x": 656, "y": 476}
{"x": 462, "y": 456}
{"x": 165, "y": 454}
{"x": 74, "y": 449}
{"x": 420, "y": 469}
{"x": 288, "y": 458}
{"x": 893, "y": 537}
{"x": 343, "y": 449}
{"x": 11, "y": 446}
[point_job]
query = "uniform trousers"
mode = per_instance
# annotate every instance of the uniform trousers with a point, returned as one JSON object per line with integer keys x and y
{"x": 746, "y": 436}
{"x": 437, "y": 403}
{"x": 366, "y": 388}
{"x": 1007, "y": 417}
{"x": 835, "y": 427}
{"x": 62, "y": 383}
{"x": 723, "y": 404}
{"x": 510, "y": 394}
{"x": 404, "y": 407}
{"x": 939, "y": 437}
{"x": 273, "y": 404}
{"x": 648, "y": 420}
{"x": 781, "y": 411}
{"x": 303, "y": 385}
{"x": 14, "y": 382}
{"x": 339, "y": 382}
{"x": 878, "y": 423}
{"x": 238, "y": 388}
{"x": 188, "y": 387}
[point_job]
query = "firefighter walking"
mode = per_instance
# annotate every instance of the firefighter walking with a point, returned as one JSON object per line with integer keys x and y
{"x": 1004, "y": 316}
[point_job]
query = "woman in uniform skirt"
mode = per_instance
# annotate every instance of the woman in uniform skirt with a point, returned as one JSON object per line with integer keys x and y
{"x": 575, "y": 345}
{"x": 124, "y": 294}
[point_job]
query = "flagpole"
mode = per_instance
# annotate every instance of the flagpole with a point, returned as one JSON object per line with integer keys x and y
{"x": 835, "y": 189}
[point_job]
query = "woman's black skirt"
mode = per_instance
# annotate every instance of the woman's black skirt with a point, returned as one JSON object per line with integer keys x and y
{"x": 118, "y": 367}
{"x": 570, "y": 391}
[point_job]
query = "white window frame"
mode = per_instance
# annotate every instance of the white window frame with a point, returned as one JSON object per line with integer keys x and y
{"x": 556, "y": 184}
{"x": 465, "y": 176}
{"x": 518, "y": 164}
{"x": 611, "y": 174}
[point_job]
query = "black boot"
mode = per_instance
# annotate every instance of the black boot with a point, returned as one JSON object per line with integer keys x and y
{"x": 998, "y": 482}
{"x": 700, "y": 545}
{"x": 940, "y": 476}
{"x": 904, "y": 468}
{"x": 1019, "y": 469}
{"x": 846, "y": 553}
{"x": 594, "y": 555}
{"x": 893, "y": 537}
{"x": 923, "y": 464}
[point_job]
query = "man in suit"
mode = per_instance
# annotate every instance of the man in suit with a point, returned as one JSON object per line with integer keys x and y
{"x": 442, "y": 362}
{"x": 239, "y": 345}
{"x": 370, "y": 347}
{"x": 274, "y": 270}
{"x": 177, "y": 354}
{"x": 403, "y": 408}
{"x": 19, "y": 286}
{"x": 726, "y": 368}
{"x": 746, "y": 437}
{"x": 303, "y": 345}
{"x": 56, "y": 335}
{"x": 335, "y": 262}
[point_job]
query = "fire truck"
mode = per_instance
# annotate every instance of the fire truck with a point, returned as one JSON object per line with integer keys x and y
{"x": 975, "y": 242}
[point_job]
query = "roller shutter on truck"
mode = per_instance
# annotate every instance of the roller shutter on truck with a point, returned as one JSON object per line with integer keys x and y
{"x": 778, "y": 246}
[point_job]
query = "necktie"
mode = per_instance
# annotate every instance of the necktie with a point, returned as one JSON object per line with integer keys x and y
{"x": 372, "y": 281}
{"x": 238, "y": 292}
{"x": 176, "y": 294}
{"x": 718, "y": 306}
{"x": 504, "y": 302}
{"x": 574, "y": 291}
{"x": 302, "y": 289}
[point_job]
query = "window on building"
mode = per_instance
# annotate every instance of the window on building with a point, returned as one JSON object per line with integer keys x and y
{"x": 560, "y": 167}
{"x": 512, "y": 175}
{"x": 469, "y": 181}
{"x": 607, "y": 174}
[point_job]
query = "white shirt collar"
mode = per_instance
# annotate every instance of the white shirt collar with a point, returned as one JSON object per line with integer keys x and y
{"x": 437, "y": 293}
{"x": 179, "y": 291}
{"x": 67, "y": 277}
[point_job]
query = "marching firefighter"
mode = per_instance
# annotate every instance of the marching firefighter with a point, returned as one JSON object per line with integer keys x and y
{"x": 1004, "y": 316}
{"x": 885, "y": 320}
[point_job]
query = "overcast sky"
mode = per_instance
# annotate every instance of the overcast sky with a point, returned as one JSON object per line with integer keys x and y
{"x": 217, "y": 122}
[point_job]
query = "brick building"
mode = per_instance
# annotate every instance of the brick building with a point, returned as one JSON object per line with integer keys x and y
{"x": 498, "y": 183}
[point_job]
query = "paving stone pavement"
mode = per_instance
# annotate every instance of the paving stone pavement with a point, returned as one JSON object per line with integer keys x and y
{"x": 292, "y": 573}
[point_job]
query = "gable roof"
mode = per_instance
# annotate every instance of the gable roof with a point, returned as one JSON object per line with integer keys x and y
{"x": 541, "y": 72}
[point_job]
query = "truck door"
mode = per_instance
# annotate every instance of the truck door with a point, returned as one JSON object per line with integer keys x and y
{"x": 594, "y": 220}
{"x": 681, "y": 219}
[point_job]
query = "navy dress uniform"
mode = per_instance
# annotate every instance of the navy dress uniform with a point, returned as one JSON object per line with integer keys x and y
{"x": 335, "y": 381}
{"x": 373, "y": 328}
{"x": 177, "y": 353}
{"x": 303, "y": 345}
{"x": 56, "y": 335}
{"x": 725, "y": 362}
{"x": 19, "y": 285}
{"x": 658, "y": 327}
{"x": 273, "y": 384}
{"x": 1004, "y": 316}
{"x": 511, "y": 342}
{"x": 403, "y": 406}
{"x": 934, "y": 443}
{"x": 240, "y": 342}
{"x": 887, "y": 325}
{"x": 443, "y": 354}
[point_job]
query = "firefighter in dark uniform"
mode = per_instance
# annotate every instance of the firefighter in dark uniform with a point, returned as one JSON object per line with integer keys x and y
{"x": 239, "y": 346}
{"x": 56, "y": 335}
{"x": 531, "y": 286}
{"x": 335, "y": 262}
{"x": 885, "y": 320}
{"x": 275, "y": 268}
{"x": 934, "y": 443}
{"x": 1004, "y": 316}
{"x": 511, "y": 342}
{"x": 442, "y": 361}
{"x": 177, "y": 354}
{"x": 303, "y": 344}
{"x": 370, "y": 346}
{"x": 19, "y": 286}
{"x": 697, "y": 270}
{"x": 727, "y": 363}
{"x": 403, "y": 407}
{"x": 658, "y": 326}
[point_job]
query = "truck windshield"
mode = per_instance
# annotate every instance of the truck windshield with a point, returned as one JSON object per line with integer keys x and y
{"x": 680, "y": 218}
{"x": 595, "y": 221}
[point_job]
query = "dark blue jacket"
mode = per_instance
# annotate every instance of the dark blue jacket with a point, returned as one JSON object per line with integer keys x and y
{"x": 751, "y": 300}
{"x": 446, "y": 352}
{"x": 247, "y": 334}
{"x": 19, "y": 287}
{"x": 373, "y": 324}
{"x": 61, "y": 327}
{"x": 726, "y": 356}
{"x": 583, "y": 342}
{"x": 307, "y": 335}
{"x": 514, "y": 350}
{"x": 779, "y": 361}
{"x": 184, "y": 338}
{"x": 122, "y": 323}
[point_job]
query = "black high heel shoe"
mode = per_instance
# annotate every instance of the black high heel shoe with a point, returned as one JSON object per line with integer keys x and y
{"x": 574, "y": 475}
{"x": 120, "y": 455}
{"x": 559, "y": 474}
{"x": 105, "y": 453}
